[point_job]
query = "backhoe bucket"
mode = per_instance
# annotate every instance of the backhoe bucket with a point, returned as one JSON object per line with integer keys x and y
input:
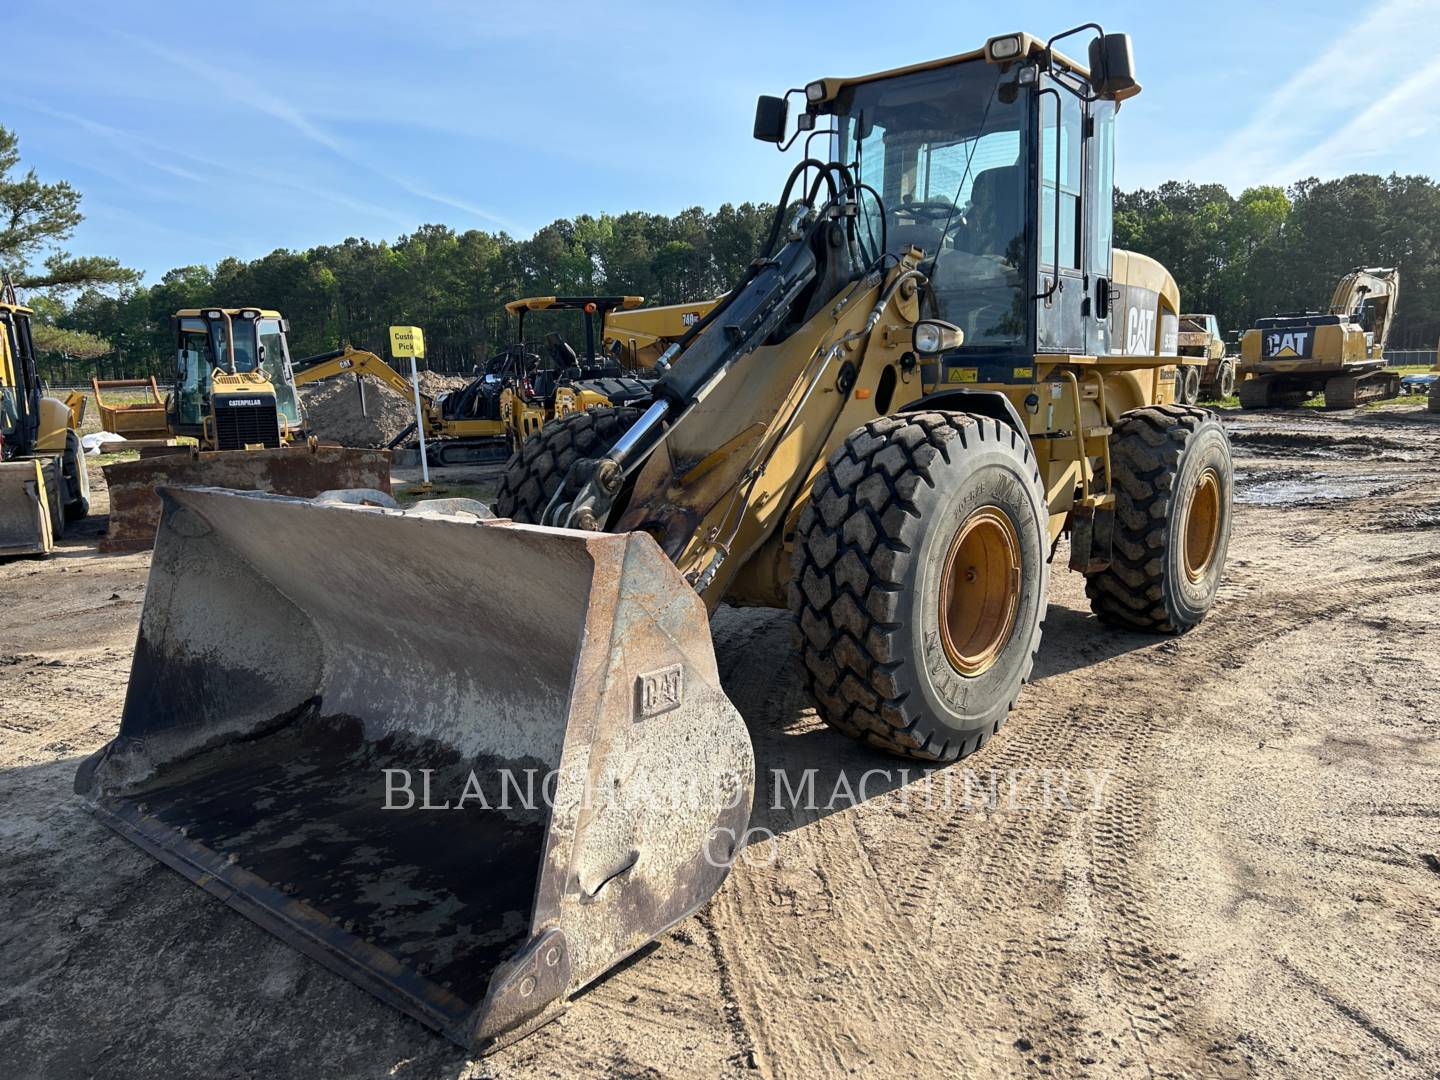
{"x": 30, "y": 519}
{"x": 469, "y": 764}
{"x": 289, "y": 470}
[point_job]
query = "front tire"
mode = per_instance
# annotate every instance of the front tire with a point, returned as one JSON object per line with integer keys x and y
{"x": 1174, "y": 483}
{"x": 920, "y": 582}
{"x": 537, "y": 470}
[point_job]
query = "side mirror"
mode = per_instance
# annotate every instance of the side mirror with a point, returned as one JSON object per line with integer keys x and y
{"x": 772, "y": 115}
{"x": 932, "y": 337}
{"x": 1112, "y": 66}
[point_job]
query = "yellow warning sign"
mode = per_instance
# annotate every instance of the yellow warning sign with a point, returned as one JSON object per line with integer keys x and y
{"x": 963, "y": 374}
{"x": 407, "y": 341}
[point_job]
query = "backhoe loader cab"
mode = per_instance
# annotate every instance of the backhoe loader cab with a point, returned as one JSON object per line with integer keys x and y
{"x": 233, "y": 382}
{"x": 233, "y": 392}
{"x": 934, "y": 370}
{"x": 44, "y": 482}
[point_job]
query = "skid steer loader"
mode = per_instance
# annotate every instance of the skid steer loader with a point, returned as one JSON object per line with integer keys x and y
{"x": 234, "y": 395}
{"x": 44, "y": 482}
{"x": 934, "y": 370}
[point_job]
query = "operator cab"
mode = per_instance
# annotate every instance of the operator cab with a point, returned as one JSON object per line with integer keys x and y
{"x": 558, "y": 361}
{"x": 203, "y": 344}
{"x": 998, "y": 164}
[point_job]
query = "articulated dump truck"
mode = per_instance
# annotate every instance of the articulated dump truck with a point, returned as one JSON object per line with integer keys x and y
{"x": 936, "y": 369}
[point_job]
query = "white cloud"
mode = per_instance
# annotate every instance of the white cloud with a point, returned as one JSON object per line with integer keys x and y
{"x": 254, "y": 97}
{"x": 1317, "y": 119}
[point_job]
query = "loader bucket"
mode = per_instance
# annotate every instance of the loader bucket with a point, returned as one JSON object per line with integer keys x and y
{"x": 28, "y": 524}
{"x": 314, "y": 682}
{"x": 290, "y": 470}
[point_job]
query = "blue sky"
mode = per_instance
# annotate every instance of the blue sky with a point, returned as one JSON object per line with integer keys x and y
{"x": 199, "y": 131}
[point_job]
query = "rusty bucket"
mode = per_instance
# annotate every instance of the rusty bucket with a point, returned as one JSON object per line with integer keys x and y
{"x": 469, "y": 764}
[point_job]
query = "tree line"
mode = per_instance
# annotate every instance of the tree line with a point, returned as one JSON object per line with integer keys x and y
{"x": 454, "y": 285}
{"x": 1264, "y": 251}
{"x": 1270, "y": 250}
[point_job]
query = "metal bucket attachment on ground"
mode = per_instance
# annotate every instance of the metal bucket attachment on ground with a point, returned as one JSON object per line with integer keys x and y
{"x": 30, "y": 518}
{"x": 314, "y": 683}
{"x": 292, "y": 470}
{"x": 131, "y": 419}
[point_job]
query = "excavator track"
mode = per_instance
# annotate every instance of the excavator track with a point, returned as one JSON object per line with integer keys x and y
{"x": 1351, "y": 391}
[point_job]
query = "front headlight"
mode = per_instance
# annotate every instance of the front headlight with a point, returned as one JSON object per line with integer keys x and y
{"x": 1003, "y": 48}
{"x": 932, "y": 336}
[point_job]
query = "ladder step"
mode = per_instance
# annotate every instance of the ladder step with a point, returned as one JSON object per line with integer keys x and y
{"x": 1098, "y": 432}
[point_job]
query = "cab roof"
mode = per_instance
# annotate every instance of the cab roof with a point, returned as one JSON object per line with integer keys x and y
{"x": 542, "y": 303}
{"x": 200, "y": 313}
{"x": 1030, "y": 45}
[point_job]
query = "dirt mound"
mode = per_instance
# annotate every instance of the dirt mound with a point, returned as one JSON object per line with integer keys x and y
{"x": 333, "y": 411}
{"x": 333, "y": 408}
{"x": 435, "y": 384}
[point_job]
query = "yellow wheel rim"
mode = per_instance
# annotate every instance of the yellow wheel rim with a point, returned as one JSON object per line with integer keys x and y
{"x": 980, "y": 590}
{"x": 1201, "y": 531}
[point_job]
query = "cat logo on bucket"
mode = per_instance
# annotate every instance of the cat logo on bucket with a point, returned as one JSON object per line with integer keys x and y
{"x": 1288, "y": 343}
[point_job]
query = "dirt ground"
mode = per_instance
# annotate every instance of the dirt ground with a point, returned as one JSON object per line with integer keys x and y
{"x": 1214, "y": 855}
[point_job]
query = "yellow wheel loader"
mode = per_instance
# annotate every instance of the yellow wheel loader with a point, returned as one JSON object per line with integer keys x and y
{"x": 234, "y": 395}
{"x": 934, "y": 371}
{"x": 44, "y": 483}
{"x": 1288, "y": 359}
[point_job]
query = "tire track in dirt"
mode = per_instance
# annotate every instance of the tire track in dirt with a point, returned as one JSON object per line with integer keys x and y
{"x": 903, "y": 917}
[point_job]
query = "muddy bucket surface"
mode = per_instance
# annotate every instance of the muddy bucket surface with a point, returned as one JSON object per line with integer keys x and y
{"x": 471, "y": 765}
{"x": 30, "y": 518}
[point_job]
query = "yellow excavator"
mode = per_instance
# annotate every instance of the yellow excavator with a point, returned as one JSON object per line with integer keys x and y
{"x": 1288, "y": 359}
{"x": 234, "y": 395}
{"x": 44, "y": 483}
{"x": 934, "y": 372}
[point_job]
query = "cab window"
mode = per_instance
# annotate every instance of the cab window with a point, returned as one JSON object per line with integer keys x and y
{"x": 1060, "y": 169}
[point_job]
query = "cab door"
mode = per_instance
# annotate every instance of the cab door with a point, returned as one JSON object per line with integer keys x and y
{"x": 1099, "y": 225}
{"x": 1060, "y": 276}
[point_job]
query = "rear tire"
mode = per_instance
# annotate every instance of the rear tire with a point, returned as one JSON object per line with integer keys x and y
{"x": 535, "y": 472}
{"x": 1225, "y": 379}
{"x": 76, "y": 478}
{"x": 1174, "y": 483}
{"x": 1192, "y": 385}
{"x": 920, "y": 582}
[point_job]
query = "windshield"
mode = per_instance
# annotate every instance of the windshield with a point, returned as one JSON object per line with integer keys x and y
{"x": 946, "y": 156}
{"x": 275, "y": 359}
{"x": 244, "y": 343}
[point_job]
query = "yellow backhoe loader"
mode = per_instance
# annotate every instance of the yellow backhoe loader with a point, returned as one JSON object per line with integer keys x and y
{"x": 234, "y": 395}
{"x": 1288, "y": 359}
{"x": 934, "y": 371}
{"x": 44, "y": 483}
